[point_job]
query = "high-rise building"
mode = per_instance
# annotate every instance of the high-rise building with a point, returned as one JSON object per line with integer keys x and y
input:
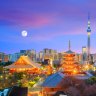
{"x": 78, "y": 58}
{"x": 94, "y": 57}
{"x": 88, "y": 42}
{"x": 6, "y": 58}
{"x": 31, "y": 54}
{"x": 46, "y": 51}
{"x": 41, "y": 58}
{"x": 84, "y": 54}
{"x": 23, "y": 52}
{"x": 37, "y": 57}
{"x": 1, "y": 56}
{"x": 14, "y": 57}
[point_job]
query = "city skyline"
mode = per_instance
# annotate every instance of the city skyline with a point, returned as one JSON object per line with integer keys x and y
{"x": 50, "y": 24}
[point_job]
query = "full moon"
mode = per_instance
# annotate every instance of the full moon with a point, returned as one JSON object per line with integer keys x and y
{"x": 24, "y": 33}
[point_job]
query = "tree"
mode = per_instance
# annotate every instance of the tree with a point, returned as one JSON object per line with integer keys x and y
{"x": 72, "y": 82}
{"x": 8, "y": 63}
{"x": 90, "y": 91}
{"x": 91, "y": 80}
{"x": 20, "y": 75}
{"x": 1, "y": 69}
{"x": 31, "y": 83}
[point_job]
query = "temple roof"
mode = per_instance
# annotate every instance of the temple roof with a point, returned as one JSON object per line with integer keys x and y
{"x": 69, "y": 52}
{"x": 24, "y": 62}
{"x": 56, "y": 79}
{"x": 53, "y": 80}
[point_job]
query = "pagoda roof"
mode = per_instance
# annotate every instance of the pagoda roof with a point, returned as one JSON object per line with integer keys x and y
{"x": 24, "y": 62}
{"x": 69, "y": 52}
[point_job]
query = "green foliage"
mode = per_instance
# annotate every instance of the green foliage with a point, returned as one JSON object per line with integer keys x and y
{"x": 19, "y": 75}
{"x": 1, "y": 77}
{"x": 91, "y": 80}
{"x": 8, "y": 63}
{"x": 25, "y": 83}
{"x": 1, "y": 69}
{"x": 1, "y": 63}
{"x": 22, "y": 83}
{"x": 5, "y": 63}
{"x": 34, "y": 81}
{"x": 19, "y": 83}
{"x": 31, "y": 83}
{"x": 9, "y": 77}
{"x": 36, "y": 78}
{"x": 21, "y": 79}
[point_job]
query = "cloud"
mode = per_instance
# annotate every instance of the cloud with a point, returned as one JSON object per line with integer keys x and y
{"x": 26, "y": 19}
{"x": 40, "y": 13}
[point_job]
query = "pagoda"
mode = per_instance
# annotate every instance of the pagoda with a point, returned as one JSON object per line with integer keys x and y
{"x": 69, "y": 64}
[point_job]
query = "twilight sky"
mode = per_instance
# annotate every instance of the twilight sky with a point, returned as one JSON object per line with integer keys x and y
{"x": 50, "y": 24}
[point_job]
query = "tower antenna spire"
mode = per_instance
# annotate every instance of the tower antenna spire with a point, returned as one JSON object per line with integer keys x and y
{"x": 88, "y": 16}
{"x": 69, "y": 45}
{"x": 89, "y": 21}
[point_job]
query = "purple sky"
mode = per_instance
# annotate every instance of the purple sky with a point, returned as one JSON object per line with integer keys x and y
{"x": 50, "y": 24}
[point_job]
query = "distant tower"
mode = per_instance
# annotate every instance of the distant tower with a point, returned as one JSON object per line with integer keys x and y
{"x": 89, "y": 33}
{"x": 69, "y": 45}
{"x": 84, "y": 54}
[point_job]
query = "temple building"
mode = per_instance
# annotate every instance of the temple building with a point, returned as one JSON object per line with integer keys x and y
{"x": 52, "y": 84}
{"x": 69, "y": 64}
{"x": 57, "y": 82}
{"x": 24, "y": 64}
